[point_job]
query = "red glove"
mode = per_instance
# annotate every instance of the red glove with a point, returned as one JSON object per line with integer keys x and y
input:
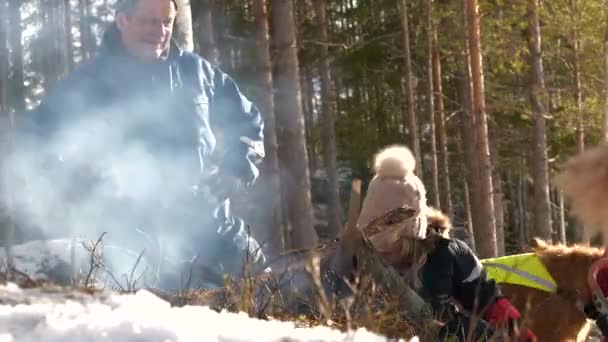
{"x": 501, "y": 313}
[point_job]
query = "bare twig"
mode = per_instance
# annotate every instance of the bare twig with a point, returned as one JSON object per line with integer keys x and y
{"x": 95, "y": 263}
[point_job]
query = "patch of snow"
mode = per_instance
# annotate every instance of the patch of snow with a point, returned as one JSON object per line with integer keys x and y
{"x": 36, "y": 315}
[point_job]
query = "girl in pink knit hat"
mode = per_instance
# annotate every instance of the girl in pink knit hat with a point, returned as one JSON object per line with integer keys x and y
{"x": 453, "y": 280}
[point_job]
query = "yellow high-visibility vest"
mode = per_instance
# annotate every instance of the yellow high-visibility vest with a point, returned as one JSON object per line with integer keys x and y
{"x": 521, "y": 269}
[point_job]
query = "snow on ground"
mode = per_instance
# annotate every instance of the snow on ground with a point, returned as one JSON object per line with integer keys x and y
{"x": 61, "y": 314}
{"x": 66, "y": 315}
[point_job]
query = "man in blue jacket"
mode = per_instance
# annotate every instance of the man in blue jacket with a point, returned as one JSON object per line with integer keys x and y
{"x": 148, "y": 137}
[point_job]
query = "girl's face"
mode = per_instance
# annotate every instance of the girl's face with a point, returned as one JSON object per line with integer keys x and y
{"x": 388, "y": 248}
{"x": 391, "y": 258}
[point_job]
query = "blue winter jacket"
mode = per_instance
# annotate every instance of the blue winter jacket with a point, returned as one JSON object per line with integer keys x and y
{"x": 193, "y": 99}
{"x": 152, "y": 132}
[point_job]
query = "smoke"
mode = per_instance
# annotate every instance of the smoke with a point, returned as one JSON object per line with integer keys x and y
{"x": 128, "y": 167}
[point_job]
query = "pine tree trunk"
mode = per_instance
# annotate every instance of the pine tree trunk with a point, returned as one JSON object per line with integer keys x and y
{"x": 408, "y": 88}
{"x": 219, "y": 29}
{"x": 268, "y": 187}
{"x": 293, "y": 156}
{"x": 467, "y": 134}
{"x": 578, "y": 93}
{"x": 17, "y": 95}
{"x": 69, "y": 48}
{"x": 49, "y": 24}
{"x": 512, "y": 210}
{"x": 487, "y": 231}
{"x": 182, "y": 28}
{"x": 442, "y": 138}
{"x": 308, "y": 107}
{"x": 7, "y": 232}
{"x": 542, "y": 202}
{"x": 522, "y": 205}
{"x": 206, "y": 39}
{"x": 4, "y": 58}
{"x": 498, "y": 196}
{"x": 328, "y": 124}
{"x": 435, "y": 200}
{"x": 85, "y": 48}
{"x": 466, "y": 192}
{"x": 580, "y": 229}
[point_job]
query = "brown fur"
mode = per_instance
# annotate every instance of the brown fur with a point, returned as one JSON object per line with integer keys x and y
{"x": 438, "y": 222}
{"x": 554, "y": 316}
{"x": 584, "y": 181}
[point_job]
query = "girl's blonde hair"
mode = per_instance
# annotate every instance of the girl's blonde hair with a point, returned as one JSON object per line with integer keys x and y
{"x": 411, "y": 251}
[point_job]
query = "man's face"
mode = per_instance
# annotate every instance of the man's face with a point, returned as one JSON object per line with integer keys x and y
{"x": 146, "y": 30}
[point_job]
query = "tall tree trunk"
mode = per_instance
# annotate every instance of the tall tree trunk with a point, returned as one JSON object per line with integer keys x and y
{"x": 497, "y": 195}
{"x": 7, "y": 232}
{"x": 467, "y": 134}
{"x": 295, "y": 180}
{"x": 182, "y": 29}
{"x": 542, "y": 201}
{"x": 579, "y": 228}
{"x": 512, "y": 211}
{"x": 442, "y": 138}
{"x": 69, "y": 48}
{"x": 487, "y": 230}
{"x": 269, "y": 186}
{"x": 466, "y": 192}
{"x": 309, "y": 107}
{"x": 522, "y": 205}
{"x": 206, "y": 38}
{"x": 49, "y": 30}
{"x": 17, "y": 83}
{"x": 4, "y": 57}
{"x": 431, "y": 105}
{"x": 578, "y": 92}
{"x": 328, "y": 124}
{"x": 219, "y": 29}
{"x": 83, "y": 22}
{"x": 408, "y": 88}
